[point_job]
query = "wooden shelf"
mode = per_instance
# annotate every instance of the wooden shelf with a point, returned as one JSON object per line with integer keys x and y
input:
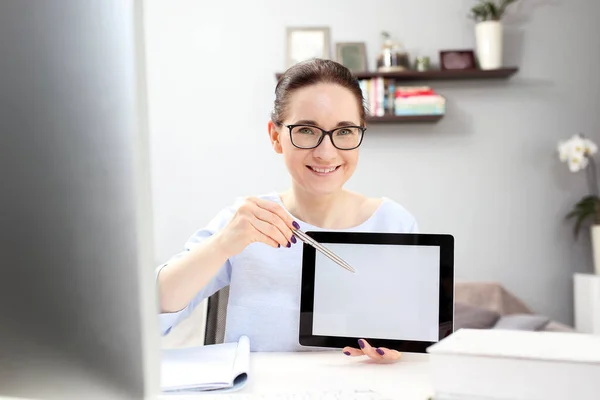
{"x": 403, "y": 118}
{"x": 439, "y": 75}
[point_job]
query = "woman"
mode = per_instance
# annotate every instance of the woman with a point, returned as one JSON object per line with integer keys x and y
{"x": 317, "y": 125}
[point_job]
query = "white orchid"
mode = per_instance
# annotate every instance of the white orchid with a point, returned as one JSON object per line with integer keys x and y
{"x": 576, "y": 152}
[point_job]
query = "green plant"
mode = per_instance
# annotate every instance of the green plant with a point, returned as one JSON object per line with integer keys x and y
{"x": 490, "y": 10}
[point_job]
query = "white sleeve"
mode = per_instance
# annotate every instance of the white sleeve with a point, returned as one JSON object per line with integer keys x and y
{"x": 167, "y": 320}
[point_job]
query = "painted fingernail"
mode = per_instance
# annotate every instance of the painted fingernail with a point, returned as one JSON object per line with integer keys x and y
{"x": 296, "y": 225}
{"x": 293, "y": 239}
{"x": 347, "y": 353}
{"x": 289, "y": 245}
{"x": 278, "y": 245}
{"x": 380, "y": 352}
{"x": 361, "y": 344}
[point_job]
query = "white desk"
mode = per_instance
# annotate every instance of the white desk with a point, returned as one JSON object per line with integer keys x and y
{"x": 407, "y": 379}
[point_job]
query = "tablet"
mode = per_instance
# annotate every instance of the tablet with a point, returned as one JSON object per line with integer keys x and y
{"x": 400, "y": 297}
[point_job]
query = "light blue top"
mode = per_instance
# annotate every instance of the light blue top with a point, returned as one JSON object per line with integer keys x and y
{"x": 264, "y": 282}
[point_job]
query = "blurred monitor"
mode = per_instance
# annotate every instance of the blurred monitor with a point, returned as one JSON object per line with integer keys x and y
{"x": 77, "y": 299}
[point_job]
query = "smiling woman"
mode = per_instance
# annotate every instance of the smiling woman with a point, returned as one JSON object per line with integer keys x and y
{"x": 317, "y": 125}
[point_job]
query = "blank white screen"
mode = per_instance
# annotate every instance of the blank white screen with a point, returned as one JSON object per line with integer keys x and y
{"x": 394, "y": 293}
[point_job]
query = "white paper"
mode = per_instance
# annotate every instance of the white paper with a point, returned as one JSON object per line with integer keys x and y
{"x": 204, "y": 367}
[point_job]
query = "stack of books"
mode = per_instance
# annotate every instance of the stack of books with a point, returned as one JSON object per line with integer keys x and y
{"x": 499, "y": 364}
{"x": 384, "y": 96}
{"x": 420, "y": 100}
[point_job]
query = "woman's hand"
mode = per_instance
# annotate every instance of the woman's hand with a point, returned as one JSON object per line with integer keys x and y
{"x": 257, "y": 220}
{"x": 379, "y": 354}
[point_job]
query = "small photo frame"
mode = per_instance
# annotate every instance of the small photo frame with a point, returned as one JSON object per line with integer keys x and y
{"x": 304, "y": 43}
{"x": 352, "y": 55}
{"x": 457, "y": 59}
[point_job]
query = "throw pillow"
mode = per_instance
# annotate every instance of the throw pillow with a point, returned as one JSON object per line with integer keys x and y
{"x": 522, "y": 322}
{"x": 472, "y": 317}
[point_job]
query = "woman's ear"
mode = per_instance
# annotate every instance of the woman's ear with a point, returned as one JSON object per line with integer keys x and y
{"x": 275, "y": 137}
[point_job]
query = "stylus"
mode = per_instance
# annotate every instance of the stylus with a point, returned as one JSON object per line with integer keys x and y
{"x": 308, "y": 240}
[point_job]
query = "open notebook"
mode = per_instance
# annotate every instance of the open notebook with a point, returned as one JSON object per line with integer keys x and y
{"x": 213, "y": 367}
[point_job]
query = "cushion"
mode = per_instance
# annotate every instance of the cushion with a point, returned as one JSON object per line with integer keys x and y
{"x": 522, "y": 322}
{"x": 472, "y": 317}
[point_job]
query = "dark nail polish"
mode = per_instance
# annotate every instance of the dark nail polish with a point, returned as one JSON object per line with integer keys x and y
{"x": 361, "y": 344}
{"x": 278, "y": 245}
{"x": 347, "y": 353}
{"x": 296, "y": 225}
{"x": 293, "y": 239}
{"x": 380, "y": 352}
{"x": 289, "y": 245}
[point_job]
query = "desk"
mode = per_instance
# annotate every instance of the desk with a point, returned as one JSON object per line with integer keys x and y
{"x": 407, "y": 379}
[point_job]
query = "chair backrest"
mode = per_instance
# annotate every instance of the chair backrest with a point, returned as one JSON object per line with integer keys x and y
{"x": 216, "y": 316}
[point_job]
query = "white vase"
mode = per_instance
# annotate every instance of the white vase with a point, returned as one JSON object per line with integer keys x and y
{"x": 488, "y": 38}
{"x": 595, "y": 236}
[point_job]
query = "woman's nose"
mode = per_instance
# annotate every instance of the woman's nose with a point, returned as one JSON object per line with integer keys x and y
{"x": 325, "y": 150}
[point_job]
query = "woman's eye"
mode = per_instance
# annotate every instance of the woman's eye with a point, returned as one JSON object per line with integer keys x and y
{"x": 306, "y": 131}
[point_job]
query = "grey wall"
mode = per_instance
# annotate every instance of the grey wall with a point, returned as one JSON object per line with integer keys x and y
{"x": 486, "y": 173}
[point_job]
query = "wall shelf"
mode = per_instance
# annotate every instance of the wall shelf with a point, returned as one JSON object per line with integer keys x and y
{"x": 438, "y": 74}
{"x": 390, "y": 118}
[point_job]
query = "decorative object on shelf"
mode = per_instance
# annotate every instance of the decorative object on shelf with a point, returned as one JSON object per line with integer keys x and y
{"x": 578, "y": 152}
{"x": 422, "y": 64}
{"x": 457, "y": 59}
{"x": 488, "y": 16}
{"x": 352, "y": 55}
{"x": 392, "y": 57}
{"x": 304, "y": 43}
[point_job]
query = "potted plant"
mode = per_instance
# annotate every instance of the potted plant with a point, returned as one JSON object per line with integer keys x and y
{"x": 578, "y": 153}
{"x": 488, "y": 16}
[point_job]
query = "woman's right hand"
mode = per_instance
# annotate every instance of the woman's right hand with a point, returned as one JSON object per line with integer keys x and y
{"x": 257, "y": 220}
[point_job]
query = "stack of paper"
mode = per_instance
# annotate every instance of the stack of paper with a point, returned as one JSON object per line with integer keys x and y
{"x": 516, "y": 365}
{"x": 214, "y": 367}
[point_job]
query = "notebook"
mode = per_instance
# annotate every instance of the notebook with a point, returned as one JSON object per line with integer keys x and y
{"x": 221, "y": 367}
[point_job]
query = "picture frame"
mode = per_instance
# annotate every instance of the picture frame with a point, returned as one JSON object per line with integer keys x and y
{"x": 457, "y": 59}
{"x": 304, "y": 43}
{"x": 352, "y": 55}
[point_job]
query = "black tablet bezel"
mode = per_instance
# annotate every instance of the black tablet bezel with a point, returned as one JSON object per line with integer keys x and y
{"x": 446, "y": 295}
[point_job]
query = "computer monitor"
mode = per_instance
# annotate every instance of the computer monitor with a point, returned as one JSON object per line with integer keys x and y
{"x": 77, "y": 295}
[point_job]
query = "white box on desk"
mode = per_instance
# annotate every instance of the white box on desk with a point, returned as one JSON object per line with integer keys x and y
{"x": 516, "y": 365}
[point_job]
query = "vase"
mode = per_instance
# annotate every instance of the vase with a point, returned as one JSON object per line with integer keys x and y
{"x": 595, "y": 236}
{"x": 488, "y": 38}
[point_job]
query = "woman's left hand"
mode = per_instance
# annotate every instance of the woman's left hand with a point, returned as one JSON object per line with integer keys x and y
{"x": 379, "y": 354}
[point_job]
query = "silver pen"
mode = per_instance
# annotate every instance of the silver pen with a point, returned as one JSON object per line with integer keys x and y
{"x": 310, "y": 241}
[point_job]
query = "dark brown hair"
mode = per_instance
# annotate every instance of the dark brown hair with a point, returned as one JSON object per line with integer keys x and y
{"x": 311, "y": 72}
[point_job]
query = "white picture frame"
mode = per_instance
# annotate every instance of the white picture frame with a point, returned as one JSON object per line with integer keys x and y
{"x": 304, "y": 43}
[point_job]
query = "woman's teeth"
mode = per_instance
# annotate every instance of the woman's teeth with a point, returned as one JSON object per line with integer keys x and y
{"x": 323, "y": 170}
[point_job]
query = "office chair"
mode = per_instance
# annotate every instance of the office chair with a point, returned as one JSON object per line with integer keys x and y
{"x": 216, "y": 316}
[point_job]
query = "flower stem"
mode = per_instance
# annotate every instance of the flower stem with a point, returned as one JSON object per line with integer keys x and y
{"x": 593, "y": 181}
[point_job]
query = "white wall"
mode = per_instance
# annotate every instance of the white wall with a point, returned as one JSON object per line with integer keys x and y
{"x": 486, "y": 173}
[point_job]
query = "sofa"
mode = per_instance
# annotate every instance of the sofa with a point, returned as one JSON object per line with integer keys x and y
{"x": 488, "y": 305}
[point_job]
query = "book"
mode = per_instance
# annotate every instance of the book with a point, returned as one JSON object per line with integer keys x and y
{"x": 222, "y": 367}
{"x": 517, "y": 365}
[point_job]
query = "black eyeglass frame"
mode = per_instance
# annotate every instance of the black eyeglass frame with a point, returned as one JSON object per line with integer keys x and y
{"x": 328, "y": 133}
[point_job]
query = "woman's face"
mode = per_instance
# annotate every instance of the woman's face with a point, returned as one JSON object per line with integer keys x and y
{"x": 324, "y": 169}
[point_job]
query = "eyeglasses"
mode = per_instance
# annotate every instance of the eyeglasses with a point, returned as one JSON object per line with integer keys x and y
{"x": 310, "y": 137}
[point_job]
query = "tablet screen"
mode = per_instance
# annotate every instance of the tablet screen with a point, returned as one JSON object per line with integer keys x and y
{"x": 394, "y": 294}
